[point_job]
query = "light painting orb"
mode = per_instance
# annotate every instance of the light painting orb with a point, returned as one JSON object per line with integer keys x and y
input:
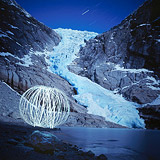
{"x": 44, "y": 107}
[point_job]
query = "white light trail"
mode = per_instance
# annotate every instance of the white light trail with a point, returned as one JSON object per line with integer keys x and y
{"x": 44, "y": 107}
{"x": 85, "y": 12}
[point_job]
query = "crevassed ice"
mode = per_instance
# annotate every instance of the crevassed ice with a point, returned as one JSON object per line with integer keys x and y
{"x": 99, "y": 101}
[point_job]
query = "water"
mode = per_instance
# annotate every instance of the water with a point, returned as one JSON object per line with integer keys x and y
{"x": 116, "y": 144}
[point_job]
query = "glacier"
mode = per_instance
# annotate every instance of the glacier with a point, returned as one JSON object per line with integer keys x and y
{"x": 98, "y": 100}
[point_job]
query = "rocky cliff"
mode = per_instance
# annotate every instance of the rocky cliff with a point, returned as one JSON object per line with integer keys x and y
{"x": 21, "y": 36}
{"x": 126, "y": 59}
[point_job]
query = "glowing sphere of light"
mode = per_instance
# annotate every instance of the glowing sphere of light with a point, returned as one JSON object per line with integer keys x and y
{"x": 44, "y": 107}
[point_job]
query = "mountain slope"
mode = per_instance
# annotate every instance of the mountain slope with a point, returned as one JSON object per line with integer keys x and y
{"x": 116, "y": 59}
{"x": 97, "y": 100}
{"x": 126, "y": 59}
{"x": 18, "y": 26}
{"x": 25, "y": 48}
{"x": 21, "y": 36}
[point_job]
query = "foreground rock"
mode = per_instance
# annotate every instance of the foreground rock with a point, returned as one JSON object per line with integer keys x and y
{"x": 30, "y": 144}
{"x": 116, "y": 59}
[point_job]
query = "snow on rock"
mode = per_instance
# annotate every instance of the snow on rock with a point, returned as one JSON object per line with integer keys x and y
{"x": 5, "y": 54}
{"x": 144, "y": 25}
{"x": 117, "y": 67}
{"x": 10, "y": 32}
{"x": 13, "y": 26}
{"x": 156, "y": 101}
{"x": 26, "y": 59}
{"x": 158, "y": 40}
{"x": 153, "y": 84}
{"x": 46, "y": 54}
{"x": 13, "y": 3}
{"x": 4, "y": 35}
{"x": 99, "y": 101}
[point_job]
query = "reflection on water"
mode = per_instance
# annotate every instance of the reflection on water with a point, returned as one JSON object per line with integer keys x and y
{"x": 116, "y": 144}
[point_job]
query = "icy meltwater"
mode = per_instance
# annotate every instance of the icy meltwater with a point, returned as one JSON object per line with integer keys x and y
{"x": 116, "y": 144}
{"x": 99, "y": 101}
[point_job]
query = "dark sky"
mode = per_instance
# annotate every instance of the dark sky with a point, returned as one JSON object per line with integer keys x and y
{"x": 91, "y": 15}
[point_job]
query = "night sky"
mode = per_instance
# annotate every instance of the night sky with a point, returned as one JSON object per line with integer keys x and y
{"x": 91, "y": 15}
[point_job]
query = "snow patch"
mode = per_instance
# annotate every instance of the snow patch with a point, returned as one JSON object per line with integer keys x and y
{"x": 156, "y": 101}
{"x": 46, "y": 54}
{"x": 7, "y": 59}
{"x": 145, "y": 24}
{"x": 26, "y": 13}
{"x": 158, "y": 40}
{"x": 6, "y": 54}
{"x": 4, "y": 35}
{"x": 10, "y": 2}
{"x": 112, "y": 35}
{"x": 18, "y": 44}
{"x": 13, "y": 26}
{"x": 26, "y": 59}
{"x": 117, "y": 67}
{"x": 10, "y": 32}
{"x": 154, "y": 83}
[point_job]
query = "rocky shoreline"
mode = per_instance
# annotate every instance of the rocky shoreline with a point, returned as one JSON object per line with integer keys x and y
{"x": 33, "y": 143}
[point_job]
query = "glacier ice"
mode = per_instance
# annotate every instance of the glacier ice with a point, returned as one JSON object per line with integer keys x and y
{"x": 99, "y": 101}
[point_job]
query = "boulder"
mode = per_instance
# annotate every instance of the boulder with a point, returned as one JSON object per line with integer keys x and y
{"x": 141, "y": 94}
{"x": 43, "y": 142}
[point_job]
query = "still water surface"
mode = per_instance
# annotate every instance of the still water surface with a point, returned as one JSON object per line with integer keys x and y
{"x": 116, "y": 144}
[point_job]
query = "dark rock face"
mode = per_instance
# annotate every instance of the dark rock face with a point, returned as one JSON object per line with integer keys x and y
{"x": 22, "y": 31}
{"x": 111, "y": 58}
{"x": 21, "y": 37}
{"x": 140, "y": 94}
{"x": 151, "y": 115}
{"x": 83, "y": 119}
